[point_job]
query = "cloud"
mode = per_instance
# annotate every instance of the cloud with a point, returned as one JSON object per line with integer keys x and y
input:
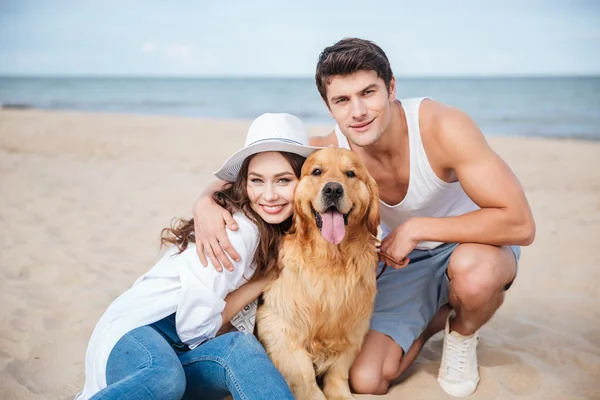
{"x": 177, "y": 51}
{"x": 148, "y": 47}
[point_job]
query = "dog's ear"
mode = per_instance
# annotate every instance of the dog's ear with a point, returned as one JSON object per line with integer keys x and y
{"x": 373, "y": 210}
{"x": 302, "y": 214}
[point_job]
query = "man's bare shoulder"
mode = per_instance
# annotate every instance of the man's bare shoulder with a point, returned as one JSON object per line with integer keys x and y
{"x": 444, "y": 122}
{"x": 434, "y": 114}
{"x": 448, "y": 131}
{"x": 324, "y": 141}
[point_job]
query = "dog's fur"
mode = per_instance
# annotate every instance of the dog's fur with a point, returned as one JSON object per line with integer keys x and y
{"x": 316, "y": 314}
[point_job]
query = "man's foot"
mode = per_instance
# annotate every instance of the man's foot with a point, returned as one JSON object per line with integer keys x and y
{"x": 458, "y": 374}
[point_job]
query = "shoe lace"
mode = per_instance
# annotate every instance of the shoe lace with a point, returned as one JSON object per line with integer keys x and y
{"x": 457, "y": 354}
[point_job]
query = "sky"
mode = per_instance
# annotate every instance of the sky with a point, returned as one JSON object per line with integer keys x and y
{"x": 284, "y": 38}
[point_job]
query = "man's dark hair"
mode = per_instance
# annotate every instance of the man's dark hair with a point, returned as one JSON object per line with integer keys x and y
{"x": 348, "y": 56}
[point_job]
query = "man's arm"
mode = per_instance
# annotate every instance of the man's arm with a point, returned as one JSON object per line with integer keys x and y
{"x": 210, "y": 220}
{"x": 323, "y": 141}
{"x": 505, "y": 217}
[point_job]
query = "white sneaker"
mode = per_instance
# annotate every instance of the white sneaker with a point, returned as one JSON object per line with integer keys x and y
{"x": 458, "y": 375}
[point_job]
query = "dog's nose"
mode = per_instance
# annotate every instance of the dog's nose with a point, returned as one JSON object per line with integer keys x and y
{"x": 333, "y": 191}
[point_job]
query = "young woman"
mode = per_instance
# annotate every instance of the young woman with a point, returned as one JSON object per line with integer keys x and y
{"x": 159, "y": 339}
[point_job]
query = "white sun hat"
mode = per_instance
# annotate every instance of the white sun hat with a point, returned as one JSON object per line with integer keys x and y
{"x": 269, "y": 132}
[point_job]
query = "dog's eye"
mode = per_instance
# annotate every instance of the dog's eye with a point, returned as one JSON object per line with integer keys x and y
{"x": 350, "y": 174}
{"x": 316, "y": 172}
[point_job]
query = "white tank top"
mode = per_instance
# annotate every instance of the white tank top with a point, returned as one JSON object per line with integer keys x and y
{"x": 427, "y": 195}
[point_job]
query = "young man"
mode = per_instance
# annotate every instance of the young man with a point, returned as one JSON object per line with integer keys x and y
{"x": 453, "y": 217}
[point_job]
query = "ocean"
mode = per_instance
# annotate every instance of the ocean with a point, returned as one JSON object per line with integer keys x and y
{"x": 560, "y": 107}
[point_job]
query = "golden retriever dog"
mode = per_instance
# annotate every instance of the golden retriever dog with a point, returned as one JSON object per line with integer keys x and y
{"x": 316, "y": 314}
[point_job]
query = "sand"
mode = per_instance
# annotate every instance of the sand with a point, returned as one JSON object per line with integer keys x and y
{"x": 84, "y": 197}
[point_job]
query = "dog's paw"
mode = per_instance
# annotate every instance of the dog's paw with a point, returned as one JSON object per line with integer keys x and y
{"x": 308, "y": 392}
{"x": 338, "y": 393}
{"x": 342, "y": 397}
{"x": 312, "y": 395}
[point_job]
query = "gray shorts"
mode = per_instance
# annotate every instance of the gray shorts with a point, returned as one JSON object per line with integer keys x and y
{"x": 408, "y": 299}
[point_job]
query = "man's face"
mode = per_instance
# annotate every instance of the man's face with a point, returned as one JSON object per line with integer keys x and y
{"x": 360, "y": 104}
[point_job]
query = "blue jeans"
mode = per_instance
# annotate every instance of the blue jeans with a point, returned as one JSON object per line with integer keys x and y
{"x": 151, "y": 362}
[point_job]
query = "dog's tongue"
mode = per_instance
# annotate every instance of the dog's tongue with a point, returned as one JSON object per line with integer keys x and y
{"x": 333, "y": 228}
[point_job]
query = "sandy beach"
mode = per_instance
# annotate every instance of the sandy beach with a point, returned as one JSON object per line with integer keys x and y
{"x": 84, "y": 197}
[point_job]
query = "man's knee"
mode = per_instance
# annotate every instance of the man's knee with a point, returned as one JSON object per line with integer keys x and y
{"x": 477, "y": 272}
{"x": 372, "y": 378}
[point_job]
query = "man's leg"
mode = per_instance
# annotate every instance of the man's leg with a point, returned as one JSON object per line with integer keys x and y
{"x": 479, "y": 274}
{"x": 407, "y": 302}
{"x": 376, "y": 365}
{"x": 381, "y": 360}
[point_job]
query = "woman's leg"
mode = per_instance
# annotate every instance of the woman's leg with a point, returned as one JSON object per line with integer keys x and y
{"x": 143, "y": 365}
{"x": 234, "y": 363}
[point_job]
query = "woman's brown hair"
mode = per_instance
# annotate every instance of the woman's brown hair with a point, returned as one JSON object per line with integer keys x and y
{"x": 234, "y": 197}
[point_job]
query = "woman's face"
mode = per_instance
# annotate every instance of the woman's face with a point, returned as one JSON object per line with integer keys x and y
{"x": 271, "y": 185}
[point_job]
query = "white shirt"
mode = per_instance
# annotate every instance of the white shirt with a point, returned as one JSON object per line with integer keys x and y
{"x": 177, "y": 283}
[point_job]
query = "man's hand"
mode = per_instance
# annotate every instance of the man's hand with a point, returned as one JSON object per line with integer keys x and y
{"x": 397, "y": 245}
{"x": 210, "y": 220}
